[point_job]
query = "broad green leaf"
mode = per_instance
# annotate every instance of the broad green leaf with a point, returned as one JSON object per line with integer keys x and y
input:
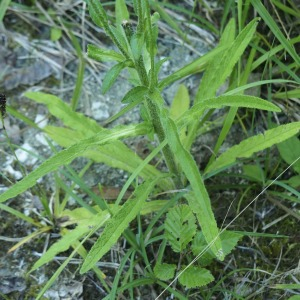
{"x": 269, "y": 20}
{"x": 97, "y": 13}
{"x": 254, "y": 144}
{"x": 104, "y": 54}
{"x": 121, "y": 12}
{"x": 295, "y": 297}
{"x": 199, "y": 201}
{"x": 254, "y": 172}
{"x": 195, "y": 277}
{"x": 137, "y": 93}
{"x": 164, "y": 271}
{"x": 55, "y": 34}
{"x": 63, "y": 111}
{"x": 220, "y": 68}
{"x": 72, "y": 236}
{"x": 180, "y": 103}
{"x": 117, "y": 224}
{"x": 66, "y": 156}
{"x": 180, "y": 227}
{"x": 199, "y": 246}
{"x": 230, "y": 100}
{"x": 137, "y": 44}
{"x": 112, "y": 75}
{"x": 290, "y": 151}
{"x": 194, "y": 67}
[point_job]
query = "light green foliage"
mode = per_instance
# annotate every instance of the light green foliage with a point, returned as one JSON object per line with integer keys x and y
{"x": 117, "y": 224}
{"x": 84, "y": 225}
{"x": 289, "y": 151}
{"x": 55, "y": 34}
{"x": 254, "y": 144}
{"x": 112, "y": 75}
{"x": 104, "y": 54}
{"x": 180, "y": 227}
{"x": 176, "y": 130}
{"x": 195, "y": 277}
{"x": 121, "y": 12}
{"x": 164, "y": 271}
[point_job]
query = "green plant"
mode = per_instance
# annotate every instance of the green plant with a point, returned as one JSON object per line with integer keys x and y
{"x": 176, "y": 130}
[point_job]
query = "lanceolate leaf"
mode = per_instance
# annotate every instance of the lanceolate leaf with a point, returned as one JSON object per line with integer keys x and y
{"x": 200, "y": 202}
{"x": 97, "y": 13}
{"x": 231, "y": 100}
{"x": 121, "y": 12}
{"x": 118, "y": 223}
{"x": 220, "y": 69}
{"x": 112, "y": 75}
{"x": 134, "y": 94}
{"x": 104, "y": 54}
{"x": 254, "y": 144}
{"x": 66, "y": 156}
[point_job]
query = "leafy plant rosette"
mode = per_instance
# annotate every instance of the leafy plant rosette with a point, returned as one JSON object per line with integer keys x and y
{"x": 189, "y": 224}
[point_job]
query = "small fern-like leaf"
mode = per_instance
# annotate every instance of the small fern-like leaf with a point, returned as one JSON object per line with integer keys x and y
{"x": 195, "y": 277}
{"x": 164, "y": 271}
{"x": 180, "y": 227}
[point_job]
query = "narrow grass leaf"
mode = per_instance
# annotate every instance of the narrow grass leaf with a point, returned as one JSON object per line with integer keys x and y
{"x": 268, "y": 19}
{"x": 254, "y": 144}
{"x": 70, "y": 237}
{"x": 117, "y": 224}
{"x": 66, "y": 156}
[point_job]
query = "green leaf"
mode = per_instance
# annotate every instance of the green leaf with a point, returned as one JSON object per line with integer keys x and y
{"x": 121, "y": 12}
{"x": 290, "y": 151}
{"x": 200, "y": 247}
{"x": 117, "y": 224}
{"x": 137, "y": 44}
{"x": 254, "y": 144}
{"x": 180, "y": 227}
{"x": 104, "y": 54}
{"x": 134, "y": 94}
{"x": 199, "y": 201}
{"x": 220, "y": 68}
{"x": 164, "y": 271}
{"x": 63, "y": 111}
{"x": 97, "y": 13}
{"x": 112, "y": 75}
{"x": 70, "y": 237}
{"x": 180, "y": 103}
{"x": 195, "y": 277}
{"x": 66, "y": 156}
{"x": 254, "y": 172}
{"x": 55, "y": 34}
{"x": 197, "y": 110}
